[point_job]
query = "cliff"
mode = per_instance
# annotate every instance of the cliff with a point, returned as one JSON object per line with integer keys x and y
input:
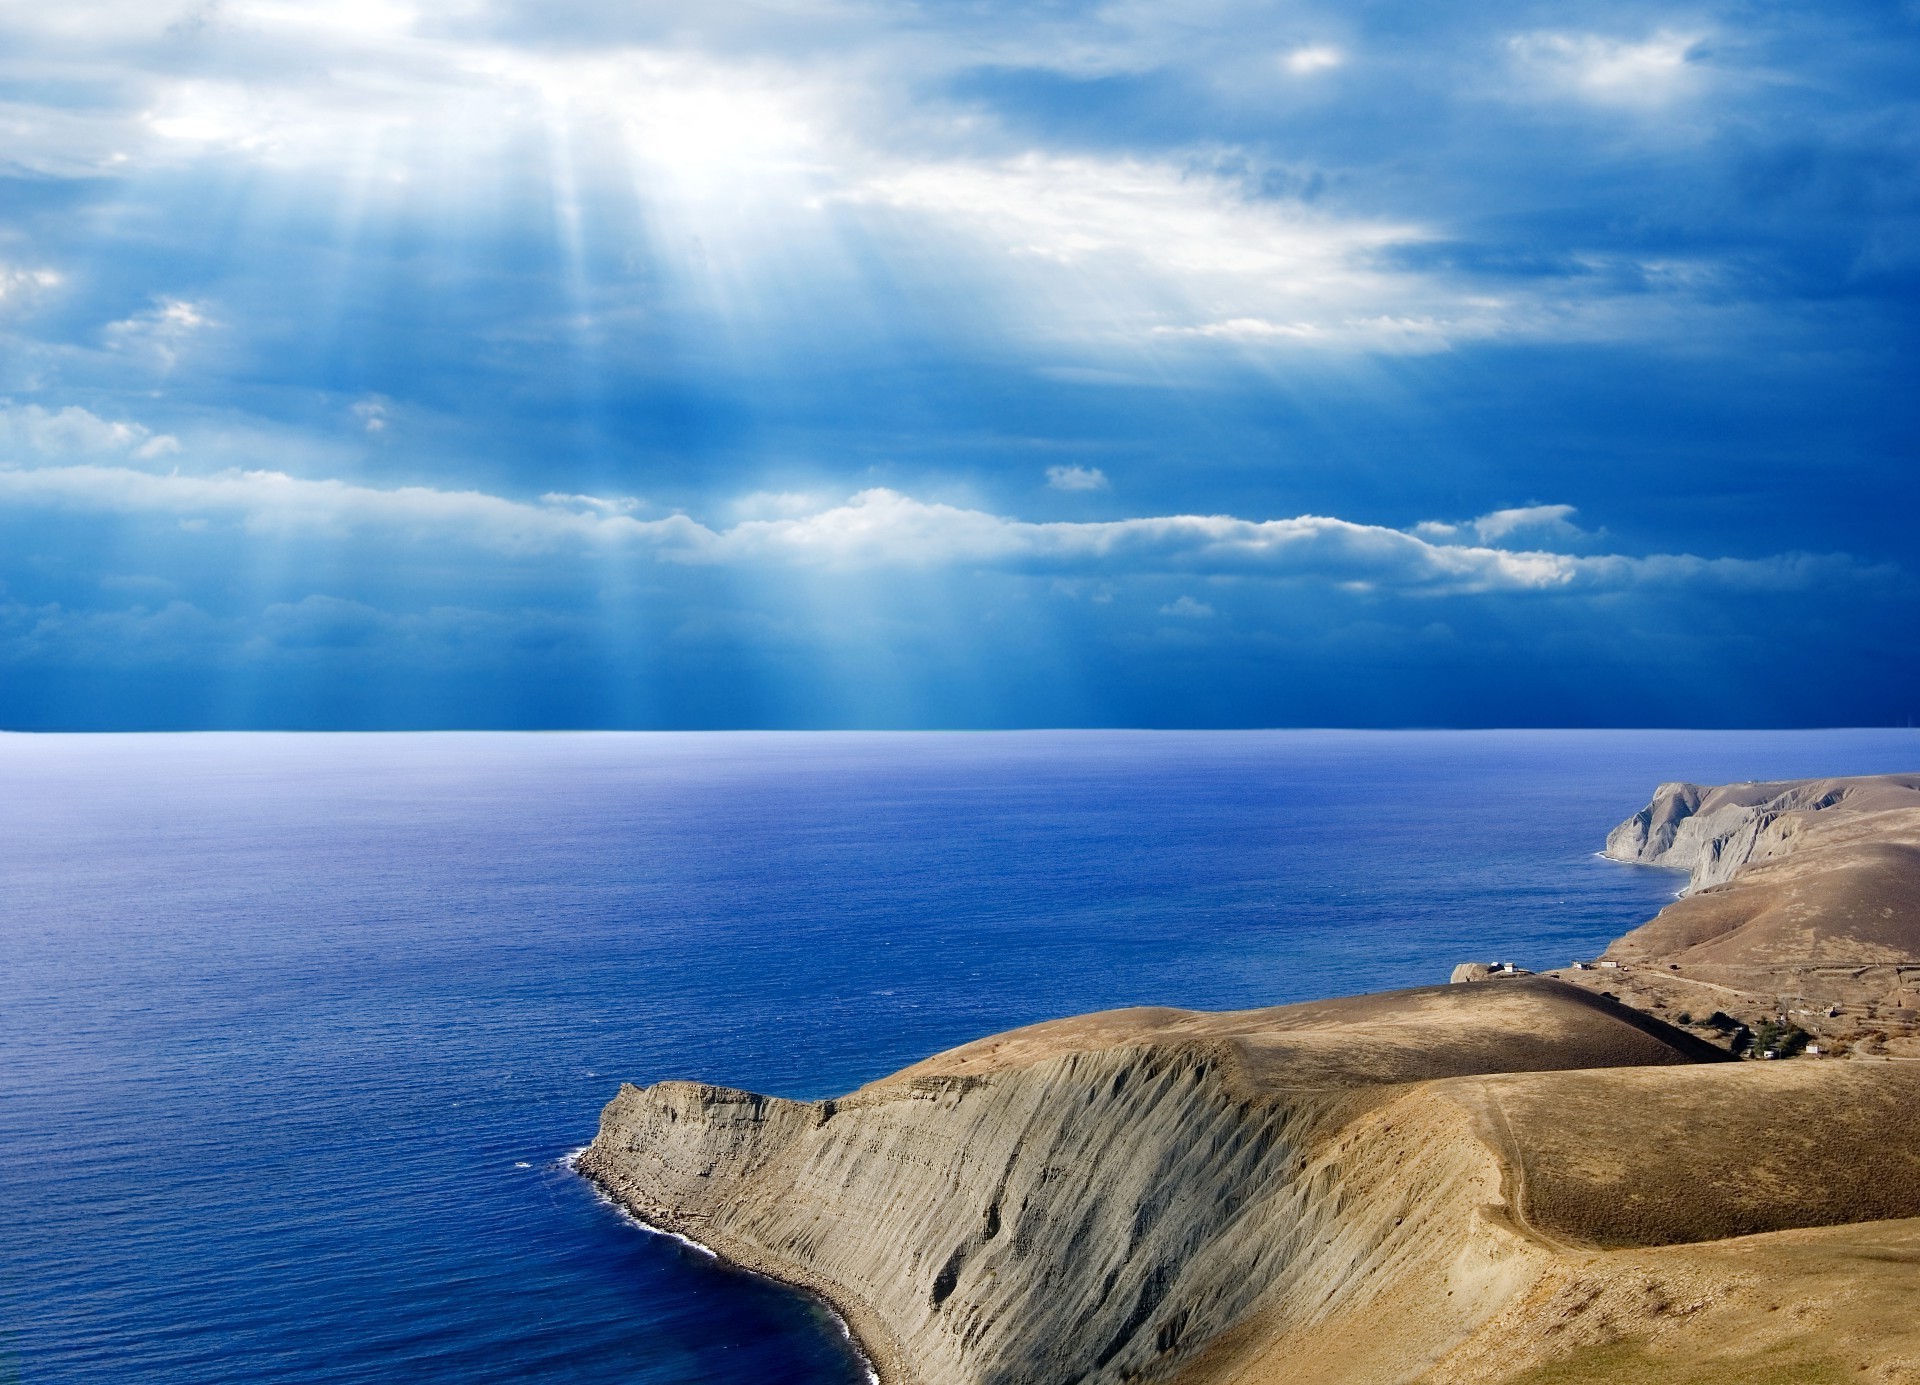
{"x": 1101, "y": 1198}
{"x": 1804, "y": 910}
{"x": 1712, "y": 833}
{"x": 1517, "y": 1180}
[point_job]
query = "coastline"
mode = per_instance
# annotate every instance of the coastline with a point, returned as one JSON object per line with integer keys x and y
{"x": 882, "y": 1365}
{"x": 1393, "y": 1183}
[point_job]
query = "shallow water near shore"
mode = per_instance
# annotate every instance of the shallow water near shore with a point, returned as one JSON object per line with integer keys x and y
{"x": 296, "y": 1031}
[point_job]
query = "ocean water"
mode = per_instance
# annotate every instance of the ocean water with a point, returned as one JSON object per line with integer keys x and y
{"x": 296, "y": 1031}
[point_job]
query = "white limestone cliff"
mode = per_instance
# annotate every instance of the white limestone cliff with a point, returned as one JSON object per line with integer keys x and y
{"x": 1711, "y": 833}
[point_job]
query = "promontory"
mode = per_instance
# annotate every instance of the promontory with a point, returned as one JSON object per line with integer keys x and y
{"x": 1694, "y": 1158}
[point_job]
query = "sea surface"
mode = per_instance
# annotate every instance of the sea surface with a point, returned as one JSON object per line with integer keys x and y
{"x": 296, "y": 1031}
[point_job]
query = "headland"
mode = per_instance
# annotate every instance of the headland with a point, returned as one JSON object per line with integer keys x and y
{"x": 1567, "y": 1177}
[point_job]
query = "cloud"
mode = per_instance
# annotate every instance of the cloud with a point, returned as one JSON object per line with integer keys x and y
{"x": 1610, "y": 71}
{"x": 1187, "y": 609}
{"x": 320, "y": 622}
{"x": 17, "y": 283}
{"x": 31, "y": 431}
{"x": 1146, "y": 241}
{"x": 1549, "y": 520}
{"x": 1076, "y": 478}
{"x": 881, "y": 529}
{"x": 161, "y": 331}
{"x": 1244, "y": 329}
{"x": 372, "y": 414}
{"x": 175, "y": 630}
{"x": 1544, "y": 522}
{"x": 274, "y": 503}
{"x": 618, "y": 505}
{"x": 1107, "y": 252}
{"x": 1314, "y": 57}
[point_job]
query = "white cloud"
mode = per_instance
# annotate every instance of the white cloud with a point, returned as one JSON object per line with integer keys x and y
{"x": 372, "y": 413}
{"x": 1610, "y": 71}
{"x": 883, "y": 529}
{"x": 1539, "y": 519}
{"x": 1244, "y": 329}
{"x": 31, "y": 432}
{"x": 74, "y": 460}
{"x": 17, "y": 283}
{"x": 1076, "y": 478}
{"x": 617, "y": 505}
{"x": 1104, "y": 252}
{"x": 1545, "y": 523}
{"x": 1187, "y": 609}
{"x": 1152, "y": 241}
{"x": 1314, "y": 57}
{"x": 272, "y": 502}
{"x": 161, "y": 331}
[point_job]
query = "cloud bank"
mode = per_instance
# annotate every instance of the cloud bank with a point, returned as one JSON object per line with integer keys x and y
{"x": 881, "y": 529}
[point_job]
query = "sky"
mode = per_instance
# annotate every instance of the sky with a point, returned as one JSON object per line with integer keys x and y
{"x": 822, "y": 363}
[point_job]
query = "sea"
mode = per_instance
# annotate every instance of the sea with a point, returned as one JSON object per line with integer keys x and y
{"x": 298, "y": 1031}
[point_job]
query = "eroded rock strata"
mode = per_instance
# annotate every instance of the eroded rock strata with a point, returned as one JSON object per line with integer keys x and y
{"x": 1713, "y": 833}
{"x": 1448, "y": 1184}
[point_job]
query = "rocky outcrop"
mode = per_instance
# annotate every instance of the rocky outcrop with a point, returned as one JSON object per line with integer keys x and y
{"x": 1712, "y": 833}
{"x": 1098, "y": 1216}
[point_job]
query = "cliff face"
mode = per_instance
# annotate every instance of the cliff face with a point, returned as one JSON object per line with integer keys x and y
{"x": 1712, "y": 833}
{"x": 1107, "y": 1199}
{"x": 1097, "y": 1216}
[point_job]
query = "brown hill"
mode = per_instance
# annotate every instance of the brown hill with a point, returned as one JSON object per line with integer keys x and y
{"x": 1525, "y": 1025}
{"x": 1160, "y": 1195}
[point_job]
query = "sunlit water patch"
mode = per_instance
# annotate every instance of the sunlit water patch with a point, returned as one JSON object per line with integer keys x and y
{"x": 296, "y": 1032}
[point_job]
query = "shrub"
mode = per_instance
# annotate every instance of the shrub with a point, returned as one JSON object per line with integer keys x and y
{"x": 1782, "y": 1038}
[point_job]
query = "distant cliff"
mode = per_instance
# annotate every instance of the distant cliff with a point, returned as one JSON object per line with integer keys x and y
{"x": 1801, "y": 925}
{"x": 1711, "y": 833}
{"x": 1449, "y": 1184}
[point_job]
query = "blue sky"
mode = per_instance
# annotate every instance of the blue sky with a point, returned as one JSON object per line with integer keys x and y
{"x": 971, "y": 364}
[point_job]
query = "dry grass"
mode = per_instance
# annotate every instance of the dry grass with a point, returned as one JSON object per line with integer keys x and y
{"x": 1629, "y": 1363}
{"x": 1662, "y": 1156}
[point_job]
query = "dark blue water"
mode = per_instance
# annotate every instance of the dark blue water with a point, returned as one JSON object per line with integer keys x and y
{"x": 295, "y": 1030}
